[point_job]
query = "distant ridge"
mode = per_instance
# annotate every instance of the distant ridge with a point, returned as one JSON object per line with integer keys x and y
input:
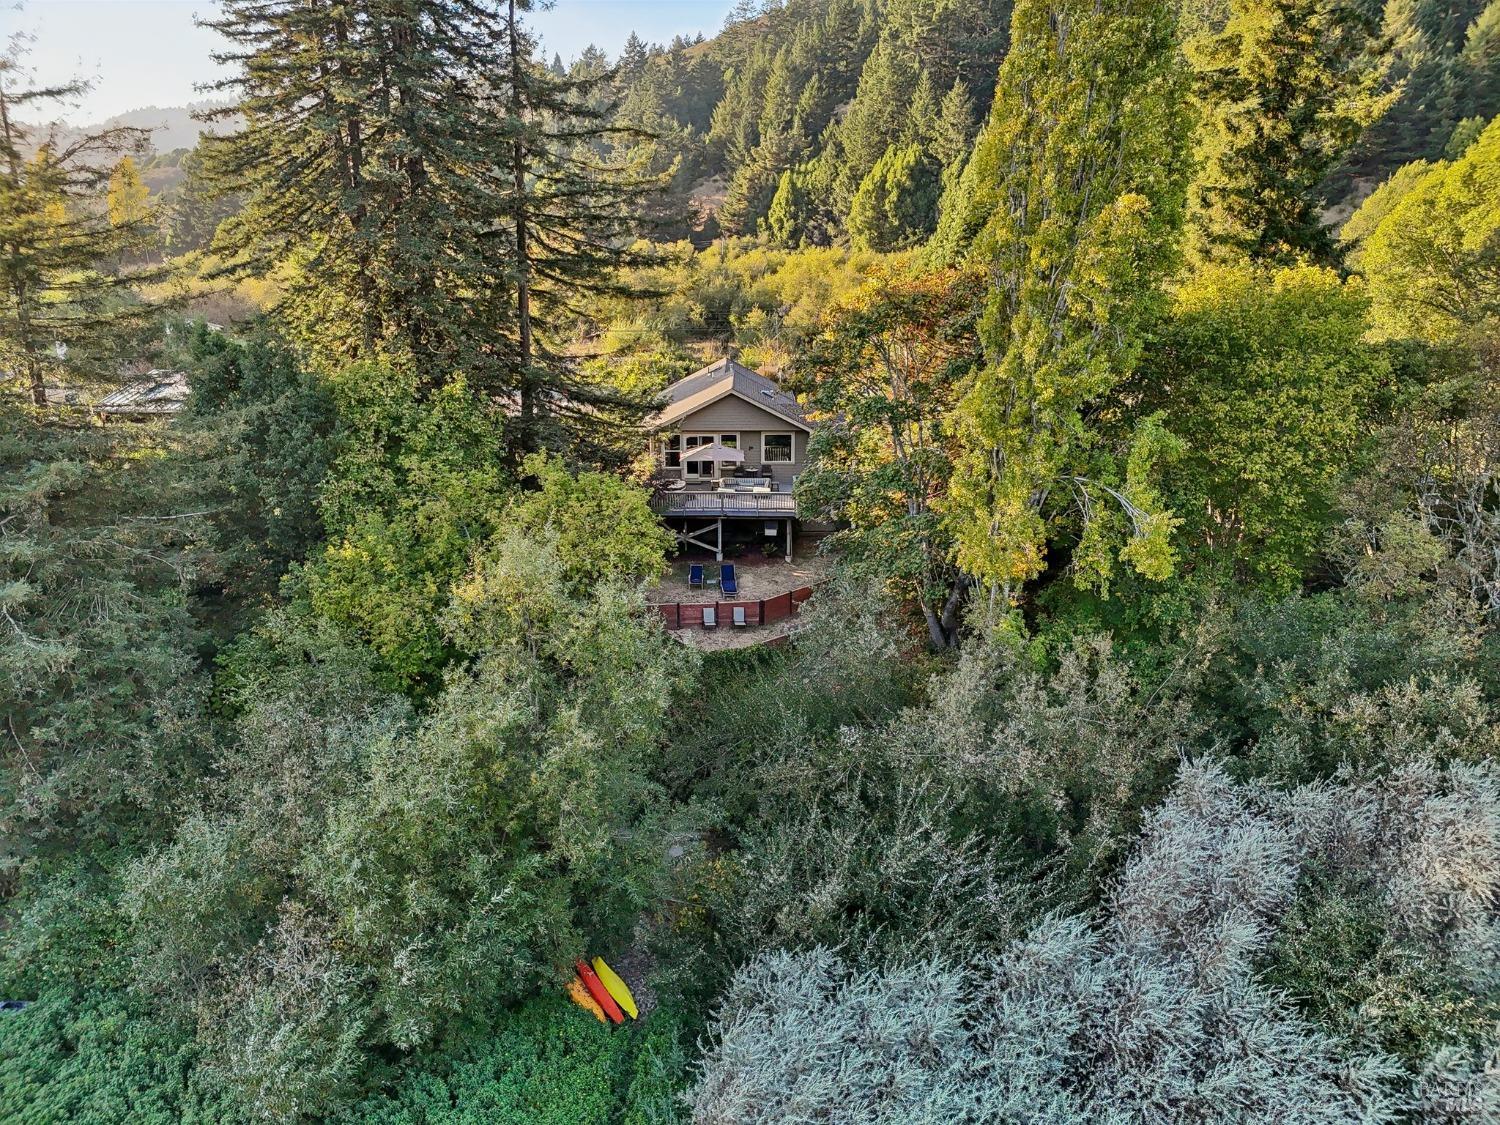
{"x": 170, "y": 126}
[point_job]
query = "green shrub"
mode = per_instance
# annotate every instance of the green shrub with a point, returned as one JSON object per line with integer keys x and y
{"x": 102, "y": 1061}
{"x": 547, "y": 1063}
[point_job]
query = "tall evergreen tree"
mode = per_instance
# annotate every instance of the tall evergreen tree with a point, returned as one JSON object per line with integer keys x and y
{"x": 194, "y": 208}
{"x": 877, "y": 118}
{"x": 59, "y": 300}
{"x": 633, "y": 58}
{"x": 896, "y": 205}
{"x": 1284, "y": 91}
{"x": 566, "y": 220}
{"x": 1076, "y": 189}
{"x": 953, "y": 132}
{"x": 361, "y": 127}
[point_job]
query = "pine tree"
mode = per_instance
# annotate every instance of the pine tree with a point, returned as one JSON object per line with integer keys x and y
{"x": 194, "y": 208}
{"x": 57, "y": 238}
{"x": 896, "y": 205}
{"x": 953, "y": 134}
{"x": 1284, "y": 89}
{"x": 785, "y": 216}
{"x": 633, "y": 58}
{"x": 877, "y": 118}
{"x": 362, "y": 126}
{"x": 923, "y": 115}
{"x": 1476, "y": 78}
{"x": 566, "y": 220}
{"x": 1076, "y": 189}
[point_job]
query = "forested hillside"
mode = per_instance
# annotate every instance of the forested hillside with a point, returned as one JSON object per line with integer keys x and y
{"x": 812, "y": 122}
{"x": 1138, "y": 761}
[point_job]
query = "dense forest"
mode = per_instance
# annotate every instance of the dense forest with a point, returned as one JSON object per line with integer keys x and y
{"x": 1136, "y": 763}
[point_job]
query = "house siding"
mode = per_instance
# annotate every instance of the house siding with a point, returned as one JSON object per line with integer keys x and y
{"x": 733, "y": 415}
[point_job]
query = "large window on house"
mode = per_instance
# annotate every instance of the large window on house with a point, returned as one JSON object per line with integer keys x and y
{"x": 671, "y": 452}
{"x": 776, "y": 449}
{"x": 706, "y": 470}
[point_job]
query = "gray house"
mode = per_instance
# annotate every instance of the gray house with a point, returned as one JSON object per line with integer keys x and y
{"x": 760, "y": 435}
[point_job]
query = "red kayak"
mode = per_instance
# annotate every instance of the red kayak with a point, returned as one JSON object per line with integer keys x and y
{"x": 600, "y": 994}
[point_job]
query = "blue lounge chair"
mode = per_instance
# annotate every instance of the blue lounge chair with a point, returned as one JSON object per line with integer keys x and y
{"x": 727, "y": 581}
{"x": 695, "y": 576}
{"x": 710, "y": 617}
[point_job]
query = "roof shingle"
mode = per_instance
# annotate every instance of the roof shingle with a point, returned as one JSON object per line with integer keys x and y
{"x": 722, "y": 377}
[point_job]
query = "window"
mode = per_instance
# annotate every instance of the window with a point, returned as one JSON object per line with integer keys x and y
{"x": 776, "y": 449}
{"x": 707, "y": 470}
{"x": 671, "y": 452}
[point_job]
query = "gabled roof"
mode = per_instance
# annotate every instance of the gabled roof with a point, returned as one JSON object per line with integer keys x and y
{"x": 718, "y": 380}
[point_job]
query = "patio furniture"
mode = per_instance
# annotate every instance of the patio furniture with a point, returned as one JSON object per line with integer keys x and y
{"x": 695, "y": 576}
{"x": 739, "y": 616}
{"x": 710, "y": 617}
{"x": 677, "y": 484}
{"x": 727, "y": 582}
{"x": 712, "y": 577}
{"x": 765, "y": 471}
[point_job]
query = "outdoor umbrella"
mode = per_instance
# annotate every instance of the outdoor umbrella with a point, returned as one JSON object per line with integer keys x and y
{"x": 714, "y": 452}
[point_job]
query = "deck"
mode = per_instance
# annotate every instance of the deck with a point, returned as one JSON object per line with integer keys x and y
{"x": 712, "y": 505}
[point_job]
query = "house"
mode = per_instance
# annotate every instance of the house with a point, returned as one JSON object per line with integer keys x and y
{"x": 757, "y": 436}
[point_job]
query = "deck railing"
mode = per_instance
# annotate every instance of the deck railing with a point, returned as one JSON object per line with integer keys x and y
{"x": 713, "y": 504}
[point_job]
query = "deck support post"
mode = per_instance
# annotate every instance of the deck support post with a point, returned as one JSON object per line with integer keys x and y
{"x": 788, "y": 540}
{"x": 699, "y": 538}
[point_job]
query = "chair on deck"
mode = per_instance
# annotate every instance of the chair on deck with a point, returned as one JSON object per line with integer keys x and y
{"x": 710, "y": 617}
{"x": 727, "y": 581}
{"x": 695, "y": 576}
{"x": 739, "y": 616}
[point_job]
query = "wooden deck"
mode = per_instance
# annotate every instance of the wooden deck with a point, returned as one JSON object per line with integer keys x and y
{"x": 711, "y": 505}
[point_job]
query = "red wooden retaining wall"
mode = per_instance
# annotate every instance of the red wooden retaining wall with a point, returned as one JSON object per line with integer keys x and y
{"x": 687, "y": 615}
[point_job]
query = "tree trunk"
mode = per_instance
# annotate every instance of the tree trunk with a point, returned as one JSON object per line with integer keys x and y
{"x": 35, "y": 384}
{"x": 528, "y": 391}
{"x": 942, "y": 625}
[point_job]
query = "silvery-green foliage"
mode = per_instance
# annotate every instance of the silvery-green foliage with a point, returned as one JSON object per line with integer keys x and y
{"x": 804, "y": 1038}
{"x": 890, "y": 879}
{"x": 1072, "y": 1025}
{"x": 1069, "y": 753}
{"x": 1459, "y": 1088}
{"x": 1099, "y": 1026}
{"x": 1155, "y": 1011}
{"x": 289, "y": 1032}
{"x": 1210, "y": 874}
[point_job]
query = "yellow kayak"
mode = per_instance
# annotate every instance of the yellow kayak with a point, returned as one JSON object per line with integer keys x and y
{"x": 580, "y": 996}
{"x": 615, "y": 986}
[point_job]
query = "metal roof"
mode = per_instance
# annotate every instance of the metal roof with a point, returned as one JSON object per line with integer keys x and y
{"x": 724, "y": 377}
{"x": 156, "y": 392}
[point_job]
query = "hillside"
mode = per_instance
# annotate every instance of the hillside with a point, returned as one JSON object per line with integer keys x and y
{"x": 886, "y": 568}
{"x": 790, "y": 110}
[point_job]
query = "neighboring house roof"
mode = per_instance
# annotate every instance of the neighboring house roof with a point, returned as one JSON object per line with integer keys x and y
{"x": 156, "y": 392}
{"x": 719, "y": 380}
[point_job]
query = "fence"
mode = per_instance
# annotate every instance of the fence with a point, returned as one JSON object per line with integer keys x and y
{"x": 766, "y": 611}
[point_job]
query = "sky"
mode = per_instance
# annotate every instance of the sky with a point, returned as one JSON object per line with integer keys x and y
{"x": 148, "y": 52}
